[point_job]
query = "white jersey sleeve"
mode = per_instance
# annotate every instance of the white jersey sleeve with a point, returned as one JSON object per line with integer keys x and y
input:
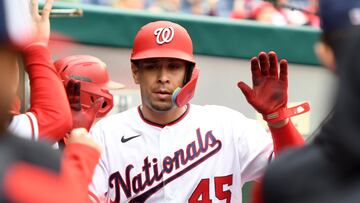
{"x": 25, "y": 125}
{"x": 255, "y": 147}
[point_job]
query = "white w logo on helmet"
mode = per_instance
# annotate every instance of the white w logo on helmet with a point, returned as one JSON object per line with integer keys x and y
{"x": 164, "y": 35}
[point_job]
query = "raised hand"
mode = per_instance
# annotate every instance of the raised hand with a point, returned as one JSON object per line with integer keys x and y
{"x": 41, "y": 23}
{"x": 269, "y": 92}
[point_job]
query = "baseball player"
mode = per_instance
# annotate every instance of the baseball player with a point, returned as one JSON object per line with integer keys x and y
{"x": 31, "y": 171}
{"x": 49, "y": 116}
{"x": 88, "y": 87}
{"x": 168, "y": 150}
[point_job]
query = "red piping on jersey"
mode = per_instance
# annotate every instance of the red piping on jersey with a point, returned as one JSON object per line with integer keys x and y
{"x": 163, "y": 125}
{"x": 32, "y": 127}
{"x": 94, "y": 197}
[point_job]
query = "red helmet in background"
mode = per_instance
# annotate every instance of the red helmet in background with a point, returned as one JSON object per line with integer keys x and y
{"x": 94, "y": 80}
{"x": 165, "y": 39}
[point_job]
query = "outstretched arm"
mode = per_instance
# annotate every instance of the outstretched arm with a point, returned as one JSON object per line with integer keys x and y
{"x": 269, "y": 97}
{"x": 48, "y": 99}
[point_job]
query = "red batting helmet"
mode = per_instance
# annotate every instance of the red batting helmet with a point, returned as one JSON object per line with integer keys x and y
{"x": 165, "y": 39}
{"x": 93, "y": 76}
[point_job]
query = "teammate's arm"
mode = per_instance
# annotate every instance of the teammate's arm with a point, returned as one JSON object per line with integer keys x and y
{"x": 48, "y": 99}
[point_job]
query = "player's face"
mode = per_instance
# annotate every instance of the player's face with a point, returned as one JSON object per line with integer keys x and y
{"x": 158, "y": 78}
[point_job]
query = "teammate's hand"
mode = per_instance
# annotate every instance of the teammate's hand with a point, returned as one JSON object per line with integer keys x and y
{"x": 41, "y": 23}
{"x": 80, "y": 136}
{"x": 269, "y": 92}
{"x": 82, "y": 118}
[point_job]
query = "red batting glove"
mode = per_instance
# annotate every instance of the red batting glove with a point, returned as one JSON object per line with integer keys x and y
{"x": 269, "y": 92}
{"x": 82, "y": 118}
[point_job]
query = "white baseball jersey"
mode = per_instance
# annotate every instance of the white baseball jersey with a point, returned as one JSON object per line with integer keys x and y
{"x": 25, "y": 125}
{"x": 204, "y": 156}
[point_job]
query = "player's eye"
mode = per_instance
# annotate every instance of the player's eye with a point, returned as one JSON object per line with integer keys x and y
{"x": 174, "y": 66}
{"x": 150, "y": 66}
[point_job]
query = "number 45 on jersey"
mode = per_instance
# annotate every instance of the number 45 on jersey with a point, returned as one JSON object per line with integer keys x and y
{"x": 201, "y": 193}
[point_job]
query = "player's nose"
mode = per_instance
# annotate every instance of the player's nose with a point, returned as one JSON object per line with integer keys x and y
{"x": 163, "y": 75}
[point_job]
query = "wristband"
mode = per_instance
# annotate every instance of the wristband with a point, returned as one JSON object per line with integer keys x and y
{"x": 284, "y": 113}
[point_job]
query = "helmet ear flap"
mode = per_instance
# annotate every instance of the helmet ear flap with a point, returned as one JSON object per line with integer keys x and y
{"x": 182, "y": 96}
{"x": 188, "y": 73}
{"x": 90, "y": 93}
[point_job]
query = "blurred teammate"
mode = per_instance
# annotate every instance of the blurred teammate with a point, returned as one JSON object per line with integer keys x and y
{"x": 327, "y": 170}
{"x": 168, "y": 150}
{"x": 49, "y": 116}
{"x": 88, "y": 87}
{"x": 31, "y": 171}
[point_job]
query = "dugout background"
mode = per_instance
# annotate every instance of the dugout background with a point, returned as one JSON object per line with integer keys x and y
{"x": 223, "y": 48}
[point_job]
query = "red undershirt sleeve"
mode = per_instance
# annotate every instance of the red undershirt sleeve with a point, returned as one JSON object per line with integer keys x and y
{"x": 285, "y": 137}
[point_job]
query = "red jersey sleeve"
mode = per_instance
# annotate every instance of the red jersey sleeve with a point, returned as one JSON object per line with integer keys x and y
{"x": 48, "y": 98}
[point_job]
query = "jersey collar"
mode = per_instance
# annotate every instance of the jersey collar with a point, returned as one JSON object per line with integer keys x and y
{"x": 163, "y": 125}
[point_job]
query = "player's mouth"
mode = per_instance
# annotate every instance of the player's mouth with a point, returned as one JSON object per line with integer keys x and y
{"x": 163, "y": 94}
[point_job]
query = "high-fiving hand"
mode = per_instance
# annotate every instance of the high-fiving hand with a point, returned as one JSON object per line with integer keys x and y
{"x": 269, "y": 93}
{"x": 41, "y": 23}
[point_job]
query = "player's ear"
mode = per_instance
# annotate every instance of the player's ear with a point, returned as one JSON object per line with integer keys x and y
{"x": 135, "y": 72}
{"x": 326, "y": 55}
